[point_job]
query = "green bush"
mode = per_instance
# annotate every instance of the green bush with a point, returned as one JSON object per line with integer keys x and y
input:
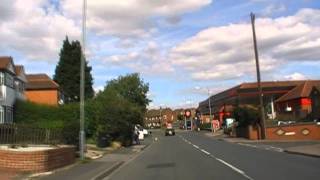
{"x": 246, "y": 116}
{"x": 65, "y": 118}
{"x": 112, "y": 113}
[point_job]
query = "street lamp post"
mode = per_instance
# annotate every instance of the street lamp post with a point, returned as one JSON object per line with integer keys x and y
{"x": 82, "y": 81}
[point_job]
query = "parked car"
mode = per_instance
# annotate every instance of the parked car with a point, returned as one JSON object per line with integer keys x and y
{"x": 142, "y": 132}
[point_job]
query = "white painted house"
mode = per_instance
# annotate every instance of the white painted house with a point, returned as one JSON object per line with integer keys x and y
{"x": 12, "y": 86}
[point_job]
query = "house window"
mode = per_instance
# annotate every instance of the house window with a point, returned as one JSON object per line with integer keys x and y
{"x": 9, "y": 80}
{"x": 1, "y": 115}
{"x": 8, "y": 115}
{"x": 1, "y": 78}
{"x": 19, "y": 86}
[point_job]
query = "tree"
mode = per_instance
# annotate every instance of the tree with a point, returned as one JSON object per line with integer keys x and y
{"x": 132, "y": 88}
{"x": 246, "y": 116}
{"x": 67, "y": 73}
{"x": 120, "y": 106}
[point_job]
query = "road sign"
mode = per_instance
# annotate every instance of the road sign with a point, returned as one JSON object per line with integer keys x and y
{"x": 187, "y": 113}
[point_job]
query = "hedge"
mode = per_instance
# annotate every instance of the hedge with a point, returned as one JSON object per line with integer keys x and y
{"x": 65, "y": 117}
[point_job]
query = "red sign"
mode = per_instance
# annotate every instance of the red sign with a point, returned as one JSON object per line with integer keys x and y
{"x": 187, "y": 113}
{"x": 305, "y": 101}
{"x": 215, "y": 124}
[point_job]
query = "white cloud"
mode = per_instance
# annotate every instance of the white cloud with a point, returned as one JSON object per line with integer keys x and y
{"x": 98, "y": 89}
{"x": 204, "y": 91}
{"x": 273, "y": 9}
{"x": 151, "y": 60}
{"x": 226, "y": 52}
{"x": 35, "y": 29}
{"x": 130, "y": 17}
{"x": 296, "y": 76}
{"x": 6, "y": 10}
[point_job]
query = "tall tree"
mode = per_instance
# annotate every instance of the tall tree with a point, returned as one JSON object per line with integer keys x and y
{"x": 132, "y": 88}
{"x": 67, "y": 73}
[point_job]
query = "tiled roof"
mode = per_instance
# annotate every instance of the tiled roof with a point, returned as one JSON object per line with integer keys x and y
{"x": 18, "y": 69}
{"x": 4, "y": 61}
{"x": 40, "y": 81}
{"x": 301, "y": 91}
{"x": 271, "y": 84}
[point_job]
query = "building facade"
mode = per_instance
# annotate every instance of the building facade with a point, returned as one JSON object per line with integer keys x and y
{"x": 282, "y": 99}
{"x": 41, "y": 89}
{"x": 12, "y": 84}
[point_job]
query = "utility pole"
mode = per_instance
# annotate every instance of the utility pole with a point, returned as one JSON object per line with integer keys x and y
{"x": 82, "y": 79}
{"x": 261, "y": 107}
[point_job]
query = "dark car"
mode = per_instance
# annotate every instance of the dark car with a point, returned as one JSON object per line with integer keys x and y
{"x": 169, "y": 130}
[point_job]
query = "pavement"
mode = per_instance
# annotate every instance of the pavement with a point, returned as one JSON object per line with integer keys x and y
{"x": 310, "y": 150}
{"x": 98, "y": 168}
{"x": 301, "y": 147}
{"x": 193, "y": 155}
{"x": 196, "y": 155}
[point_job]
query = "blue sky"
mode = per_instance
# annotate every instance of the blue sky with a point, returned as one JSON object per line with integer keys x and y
{"x": 182, "y": 48}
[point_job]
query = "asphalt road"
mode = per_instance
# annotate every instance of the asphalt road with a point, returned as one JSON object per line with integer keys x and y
{"x": 193, "y": 156}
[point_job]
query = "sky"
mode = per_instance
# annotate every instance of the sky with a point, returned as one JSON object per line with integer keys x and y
{"x": 184, "y": 49}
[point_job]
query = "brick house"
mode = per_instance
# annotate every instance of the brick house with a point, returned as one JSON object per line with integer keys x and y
{"x": 301, "y": 102}
{"x": 12, "y": 86}
{"x": 42, "y": 89}
{"x": 301, "y": 96}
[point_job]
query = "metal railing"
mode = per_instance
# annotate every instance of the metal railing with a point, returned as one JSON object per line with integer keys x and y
{"x": 22, "y": 134}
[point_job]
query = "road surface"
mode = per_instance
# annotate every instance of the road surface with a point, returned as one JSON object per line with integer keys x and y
{"x": 193, "y": 156}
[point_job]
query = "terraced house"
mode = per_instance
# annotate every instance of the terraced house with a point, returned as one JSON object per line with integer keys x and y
{"x": 12, "y": 86}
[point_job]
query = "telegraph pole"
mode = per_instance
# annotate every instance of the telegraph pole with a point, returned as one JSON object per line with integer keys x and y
{"x": 261, "y": 107}
{"x": 82, "y": 79}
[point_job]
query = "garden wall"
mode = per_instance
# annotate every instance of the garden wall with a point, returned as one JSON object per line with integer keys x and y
{"x": 305, "y": 131}
{"x": 37, "y": 161}
{"x": 294, "y": 132}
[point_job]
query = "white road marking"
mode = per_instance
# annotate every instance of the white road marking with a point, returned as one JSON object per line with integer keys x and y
{"x": 195, "y": 146}
{"x": 249, "y": 145}
{"x": 269, "y": 148}
{"x": 234, "y": 168}
{"x": 276, "y": 149}
{"x": 204, "y": 151}
{"x": 224, "y": 162}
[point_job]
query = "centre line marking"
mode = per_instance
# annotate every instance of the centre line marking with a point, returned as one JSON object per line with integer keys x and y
{"x": 206, "y": 152}
{"x": 234, "y": 168}
{"x": 196, "y": 146}
{"x": 224, "y": 162}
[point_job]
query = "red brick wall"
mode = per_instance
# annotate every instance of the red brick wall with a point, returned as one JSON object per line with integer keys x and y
{"x": 294, "y": 132}
{"x": 37, "y": 161}
{"x": 285, "y": 132}
{"x": 48, "y": 97}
